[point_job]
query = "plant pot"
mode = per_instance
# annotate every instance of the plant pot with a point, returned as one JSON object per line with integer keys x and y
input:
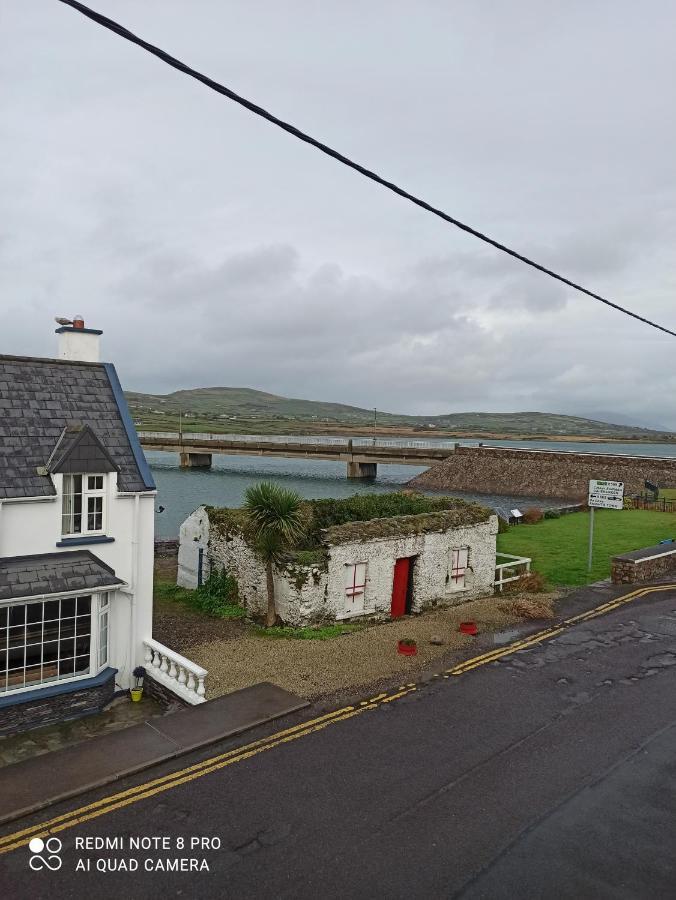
{"x": 136, "y": 694}
{"x": 407, "y": 649}
{"x": 468, "y": 628}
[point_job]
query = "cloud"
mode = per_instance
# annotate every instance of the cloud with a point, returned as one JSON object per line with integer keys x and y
{"x": 213, "y": 249}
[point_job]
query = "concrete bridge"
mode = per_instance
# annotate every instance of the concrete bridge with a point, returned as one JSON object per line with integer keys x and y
{"x": 361, "y": 455}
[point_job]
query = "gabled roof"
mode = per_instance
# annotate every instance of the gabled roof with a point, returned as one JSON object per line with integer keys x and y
{"x": 53, "y": 573}
{"x": 79, "y": 450}
{"x": 39, "y": 398}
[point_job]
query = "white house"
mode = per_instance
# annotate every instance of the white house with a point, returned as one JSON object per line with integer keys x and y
{"x": 76, "y": 536}
{"x": 384, "y": 567}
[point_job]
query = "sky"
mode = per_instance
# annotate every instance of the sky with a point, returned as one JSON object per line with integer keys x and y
{"x": 214, "y": 249}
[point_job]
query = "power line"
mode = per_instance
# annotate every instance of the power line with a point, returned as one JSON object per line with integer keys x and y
{"x": 118, "y": 29}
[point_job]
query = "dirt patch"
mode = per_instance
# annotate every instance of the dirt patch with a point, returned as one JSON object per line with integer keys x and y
{"x": 360, "y": 660}
{"x": 178, "y": 626}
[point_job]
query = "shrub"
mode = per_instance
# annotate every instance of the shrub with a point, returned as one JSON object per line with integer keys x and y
{"x": 503, "y": 525}
{"x": 528, "y": 607}
{"x": 532, "y": 515}
{"x": 219, "y": 596}
{"x": 532, "y": 583}
{"x": 552, "y": 514}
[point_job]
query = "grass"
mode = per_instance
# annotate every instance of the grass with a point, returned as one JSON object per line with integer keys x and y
{"x": 168, "y": 591}
{"x": 559, "y": 547}
{"x": 318, "y": 633}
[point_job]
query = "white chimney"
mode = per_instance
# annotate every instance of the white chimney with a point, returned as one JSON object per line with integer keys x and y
{"x": 77, "y": 342}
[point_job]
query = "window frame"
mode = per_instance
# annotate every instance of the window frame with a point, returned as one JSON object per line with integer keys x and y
{"x": 87, "y": 493}
{"x": 355, "y": 590}
{"x": 99, "y": 602}
{"x": 457, "y": 573}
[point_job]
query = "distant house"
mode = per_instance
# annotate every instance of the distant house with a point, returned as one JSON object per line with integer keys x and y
{"x": 76, "y": 536}
{"x": 382, "y": 567}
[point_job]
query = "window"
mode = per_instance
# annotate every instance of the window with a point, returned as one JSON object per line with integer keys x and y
{"x": 355, "y": 580}
{"x": 50, "y": 640}
{"x": 459, "y": 565}
{"x": 103, "y": 631}
{"x": 83, "y": 506}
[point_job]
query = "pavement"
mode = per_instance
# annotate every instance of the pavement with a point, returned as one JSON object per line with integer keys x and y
{"x": 31, "y": 785}
{"x": 539, "y": 769}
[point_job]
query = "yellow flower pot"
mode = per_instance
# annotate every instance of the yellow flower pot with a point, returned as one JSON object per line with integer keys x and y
{"x": 136, "y": 694}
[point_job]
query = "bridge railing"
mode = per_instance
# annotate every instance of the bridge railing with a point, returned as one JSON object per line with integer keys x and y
{"x": 321, "y": 440}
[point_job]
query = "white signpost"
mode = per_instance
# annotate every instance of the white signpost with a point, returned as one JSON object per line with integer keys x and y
{"x": 602, "y": 495}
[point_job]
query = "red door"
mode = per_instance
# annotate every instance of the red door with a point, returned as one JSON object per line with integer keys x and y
{"x": 400, "y": 587}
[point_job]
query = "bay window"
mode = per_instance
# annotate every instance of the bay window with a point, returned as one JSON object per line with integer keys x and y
{"x": 44, "y": 641}
{"x": 83, "y": 507}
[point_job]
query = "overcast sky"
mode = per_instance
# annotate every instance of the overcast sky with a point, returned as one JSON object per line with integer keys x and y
{"x": 214, "y": 249}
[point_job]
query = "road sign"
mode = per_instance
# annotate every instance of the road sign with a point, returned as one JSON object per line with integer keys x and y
{"x": 606, "y": 494}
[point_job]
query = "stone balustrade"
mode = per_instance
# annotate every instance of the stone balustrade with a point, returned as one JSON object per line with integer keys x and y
{"x": 179, "y": 675}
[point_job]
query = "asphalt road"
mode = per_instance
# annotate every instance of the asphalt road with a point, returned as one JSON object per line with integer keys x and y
{"x": 547, "y": 774}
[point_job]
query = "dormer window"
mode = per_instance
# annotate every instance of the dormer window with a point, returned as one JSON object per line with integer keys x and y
{"x": 83, "y": 510}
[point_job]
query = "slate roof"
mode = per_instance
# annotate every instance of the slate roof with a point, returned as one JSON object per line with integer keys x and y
{"x": 79, "y": 450}
{"x": 53, "y": 573}
{"x": 39, "y": 398}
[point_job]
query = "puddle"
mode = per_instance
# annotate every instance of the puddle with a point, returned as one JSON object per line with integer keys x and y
{"x": 506, "y": 637}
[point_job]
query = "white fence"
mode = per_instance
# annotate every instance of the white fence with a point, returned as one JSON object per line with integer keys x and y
{"x": 181, "y": 676}
{"x": 512, "y": 569}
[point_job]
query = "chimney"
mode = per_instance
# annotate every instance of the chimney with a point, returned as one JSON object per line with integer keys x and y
{"x": 77, "y": 342}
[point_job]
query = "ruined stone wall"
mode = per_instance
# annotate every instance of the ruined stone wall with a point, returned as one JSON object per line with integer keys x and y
{"x": 541, "y": 473}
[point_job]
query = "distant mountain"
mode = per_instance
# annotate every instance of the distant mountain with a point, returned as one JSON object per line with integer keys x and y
{"x": 223, "y": 403}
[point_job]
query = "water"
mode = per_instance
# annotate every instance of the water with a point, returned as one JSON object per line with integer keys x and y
{"x": 180, "y": 491}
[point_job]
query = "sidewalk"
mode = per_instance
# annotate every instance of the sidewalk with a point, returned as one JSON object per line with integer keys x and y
{"x": 31, "y": 785}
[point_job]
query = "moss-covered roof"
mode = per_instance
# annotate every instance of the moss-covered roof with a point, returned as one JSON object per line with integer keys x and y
{"x": 403, "y": 526}
{"x": 364, "y": 517}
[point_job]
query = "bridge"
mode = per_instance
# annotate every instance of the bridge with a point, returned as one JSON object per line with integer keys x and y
{"x": 361, "y": 455}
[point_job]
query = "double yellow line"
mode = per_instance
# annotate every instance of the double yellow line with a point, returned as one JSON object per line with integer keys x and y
{"x": 240, "y": 754}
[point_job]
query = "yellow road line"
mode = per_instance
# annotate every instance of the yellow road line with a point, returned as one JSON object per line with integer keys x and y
{"x": 239, "y": 754}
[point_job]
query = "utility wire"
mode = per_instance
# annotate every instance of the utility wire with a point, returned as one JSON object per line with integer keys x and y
{"x": 334, "y": 154}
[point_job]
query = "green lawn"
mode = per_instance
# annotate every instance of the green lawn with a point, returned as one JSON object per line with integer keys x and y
{"x": 558, "y": 547}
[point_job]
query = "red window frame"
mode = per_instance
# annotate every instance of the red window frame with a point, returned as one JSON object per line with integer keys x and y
{"x": 458, "y": 571}
{"x": 355, "y": 589}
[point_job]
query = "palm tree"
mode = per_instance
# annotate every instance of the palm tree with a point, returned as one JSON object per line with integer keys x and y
{"x": 276, "y": 523}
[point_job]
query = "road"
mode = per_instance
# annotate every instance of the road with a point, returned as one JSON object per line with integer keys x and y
{"x": 546, "y": 773}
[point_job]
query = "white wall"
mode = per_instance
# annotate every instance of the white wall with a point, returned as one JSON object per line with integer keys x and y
{"x": 431, "y": 574}
{"x": 30, "y": 527}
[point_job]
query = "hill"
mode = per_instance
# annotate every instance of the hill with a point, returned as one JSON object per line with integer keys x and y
{"x": 229, "y": 409}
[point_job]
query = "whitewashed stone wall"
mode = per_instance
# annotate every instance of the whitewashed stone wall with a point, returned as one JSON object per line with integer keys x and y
{"x": 307, "y": 594}
{"x": 432, "y": 584}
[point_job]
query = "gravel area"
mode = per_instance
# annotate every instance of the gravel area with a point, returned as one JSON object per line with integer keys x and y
{"x": 315, "y": 668}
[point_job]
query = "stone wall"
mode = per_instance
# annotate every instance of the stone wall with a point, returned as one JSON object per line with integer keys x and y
{"x": 541, "y": 473}
{"x": 51, "y": 705}
{"x": 625, "y": 570}
{"x": 161, "y": 694}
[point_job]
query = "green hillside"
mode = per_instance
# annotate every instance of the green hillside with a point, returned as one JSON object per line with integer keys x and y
{"x": 244, "y": 409}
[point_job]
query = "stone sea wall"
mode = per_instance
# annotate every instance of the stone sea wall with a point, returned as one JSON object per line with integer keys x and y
{"x": 541, "y": 473}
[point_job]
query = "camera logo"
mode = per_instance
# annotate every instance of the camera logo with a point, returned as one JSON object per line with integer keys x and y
{"x": 51, "y": 847}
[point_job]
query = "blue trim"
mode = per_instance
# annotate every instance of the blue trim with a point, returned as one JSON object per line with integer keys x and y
{"x": 128, "y": 422}
{"x": 77, "y": 330}
{"x": 81, "y": 541}
{"x": 57, "y": 689}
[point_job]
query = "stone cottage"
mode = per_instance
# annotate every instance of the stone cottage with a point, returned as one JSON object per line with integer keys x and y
{"x": 442, "y": 552}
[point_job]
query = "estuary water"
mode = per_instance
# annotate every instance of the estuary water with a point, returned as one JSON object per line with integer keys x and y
{"x": 180, "y": 491}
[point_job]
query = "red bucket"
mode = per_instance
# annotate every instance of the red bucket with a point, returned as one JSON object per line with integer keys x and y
{"x": 406, "y": 649}
{"x": 468, "y": 627}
